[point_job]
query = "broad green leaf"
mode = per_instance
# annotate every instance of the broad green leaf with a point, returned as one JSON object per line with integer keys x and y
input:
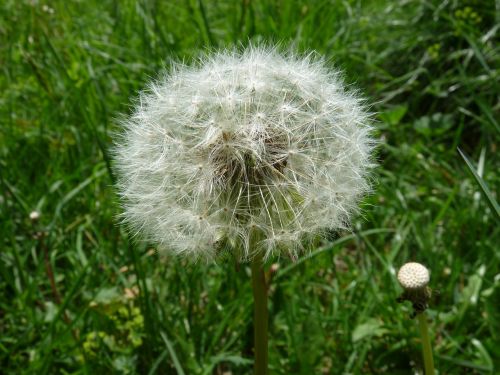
{"x": 372, "y": 327}
{"x": 394, "y": 115}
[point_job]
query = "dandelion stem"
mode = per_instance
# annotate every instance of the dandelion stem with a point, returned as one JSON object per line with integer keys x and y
{"x": 426, "y": 344}
{"x": 260, "y": 321}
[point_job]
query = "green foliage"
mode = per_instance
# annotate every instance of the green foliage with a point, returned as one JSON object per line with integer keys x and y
{"x": 125, "y": 324}
{"x": 77, "y": 296}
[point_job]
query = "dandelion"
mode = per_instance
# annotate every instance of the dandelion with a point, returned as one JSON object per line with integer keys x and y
{"x": 252, "y": 153}
{"x": 414, "y": 278}
{"x": 34, "y": 216}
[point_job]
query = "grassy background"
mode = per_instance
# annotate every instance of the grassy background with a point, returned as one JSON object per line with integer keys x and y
{"x": 76, "y": 297}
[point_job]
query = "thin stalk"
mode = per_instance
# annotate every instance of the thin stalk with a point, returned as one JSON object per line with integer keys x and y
{"x": 260, "y": 320}
{"x": 426, "y": 344}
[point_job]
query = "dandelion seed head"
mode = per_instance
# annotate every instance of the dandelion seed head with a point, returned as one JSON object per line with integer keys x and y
{"x": 253, "y": 151}
{"x": 34, "y": 215}
{"x": 413, "y": 276}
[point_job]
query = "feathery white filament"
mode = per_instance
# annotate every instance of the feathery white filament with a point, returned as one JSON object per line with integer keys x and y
{"x": 243, "y": 148}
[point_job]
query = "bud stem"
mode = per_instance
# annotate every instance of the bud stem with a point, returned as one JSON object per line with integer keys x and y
{"x": 260, "y": 315}
{"x": 426, "y": 344}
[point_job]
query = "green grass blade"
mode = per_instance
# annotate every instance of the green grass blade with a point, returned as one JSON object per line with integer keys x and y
{"x": 171, "y": 350}
{"x": 484, "y": 188}
{"x": 328, "y": 248}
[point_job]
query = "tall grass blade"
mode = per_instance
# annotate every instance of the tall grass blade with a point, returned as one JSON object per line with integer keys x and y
{"x": 173, "y": 355}
{"x": 482, "y": 184}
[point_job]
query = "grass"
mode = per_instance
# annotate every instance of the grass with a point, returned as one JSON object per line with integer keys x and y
{"x": 78, "y": 297}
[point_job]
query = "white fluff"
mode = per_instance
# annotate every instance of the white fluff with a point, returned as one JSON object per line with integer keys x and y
{"x": 246, "y": 152}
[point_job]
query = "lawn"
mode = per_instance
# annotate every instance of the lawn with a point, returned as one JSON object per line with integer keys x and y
{"x": 78, "y": 295}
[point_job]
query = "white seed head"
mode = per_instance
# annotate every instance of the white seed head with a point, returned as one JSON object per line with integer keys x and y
{"x": 251, "y": 151}
{"x": 413, "y": 276}
{"x": 34, "y": 215}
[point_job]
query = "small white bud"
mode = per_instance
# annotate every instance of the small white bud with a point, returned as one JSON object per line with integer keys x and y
{"x": 413, "y": 276}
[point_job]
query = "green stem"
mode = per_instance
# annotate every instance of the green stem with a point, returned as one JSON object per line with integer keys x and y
{"x": 426, "y": 344}
{"x": 260, "y": 315}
